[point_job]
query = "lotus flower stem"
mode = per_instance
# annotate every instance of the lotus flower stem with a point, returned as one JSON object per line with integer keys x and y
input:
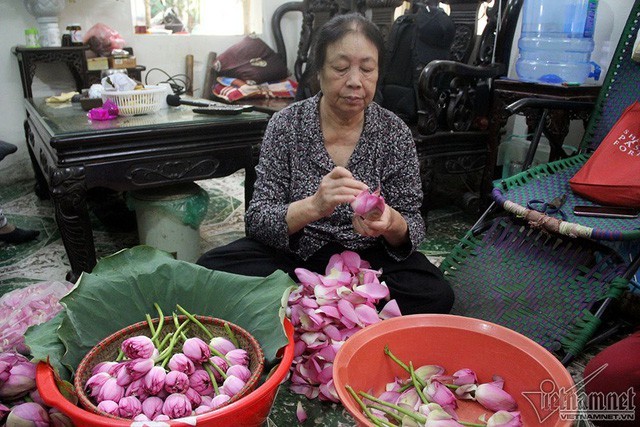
{"x": 156, "y": 334}
{"x": 465, "y": 423}
{"x": 377, "y": 421}
{"x": 212, "y": 377}
{"x": 194, "y": 320}
{"x": 387, "y": 411}
{"x": 417, "y": 384}
{"x": 150, "y": 323}
{"x": 417, "y": 417}
{"x": 220, "y": 355}
{"x": 395, "y": 359}
{"x": 164, "y": 356}
{"x": 120, "y": 355}
{"x": 220, "y": 371}
{"x": 232, "y": 336}
{"x": 452, "y": 386}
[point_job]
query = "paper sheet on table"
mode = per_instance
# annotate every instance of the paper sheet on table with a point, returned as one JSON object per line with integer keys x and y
{"x": 63, "y": 97}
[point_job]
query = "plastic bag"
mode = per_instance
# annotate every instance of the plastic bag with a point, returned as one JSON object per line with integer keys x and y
{"x": 102, "y": 39}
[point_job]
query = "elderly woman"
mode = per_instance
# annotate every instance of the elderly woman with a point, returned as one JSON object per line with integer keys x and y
{"x": 316, "y": 157}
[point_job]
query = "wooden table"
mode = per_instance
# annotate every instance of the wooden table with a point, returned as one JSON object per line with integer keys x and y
{"x": 556, "y": 127}
{"x": 71, "y": 154}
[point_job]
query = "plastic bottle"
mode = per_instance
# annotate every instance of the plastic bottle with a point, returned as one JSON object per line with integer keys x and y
{"x": 556, "y": 41}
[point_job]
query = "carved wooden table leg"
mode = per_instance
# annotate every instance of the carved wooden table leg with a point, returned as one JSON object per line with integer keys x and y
{"x": 69, "y": 192}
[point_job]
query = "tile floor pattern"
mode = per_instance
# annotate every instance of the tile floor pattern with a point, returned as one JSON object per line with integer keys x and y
{"x": 44, "y": 259}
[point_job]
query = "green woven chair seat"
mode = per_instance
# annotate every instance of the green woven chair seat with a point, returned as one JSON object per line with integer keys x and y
{"x": 543, "y": 286}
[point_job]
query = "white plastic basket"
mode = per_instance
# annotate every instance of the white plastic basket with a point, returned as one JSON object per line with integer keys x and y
{"x": 134, "y": 102}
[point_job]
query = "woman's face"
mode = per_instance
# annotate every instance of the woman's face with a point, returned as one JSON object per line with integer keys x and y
{"x": 349, "y": 74}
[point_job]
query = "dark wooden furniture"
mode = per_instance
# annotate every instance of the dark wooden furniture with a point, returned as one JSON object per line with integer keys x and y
{"x": 73, "y": 56}
{"x": 556, "y": 122}
{"x": 72, "y": 154}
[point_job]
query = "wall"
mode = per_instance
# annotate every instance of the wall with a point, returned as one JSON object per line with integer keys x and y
{"x": 167, "y": 53}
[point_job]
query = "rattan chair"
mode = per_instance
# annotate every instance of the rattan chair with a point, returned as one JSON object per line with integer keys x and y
{"x": 552, "y": 277}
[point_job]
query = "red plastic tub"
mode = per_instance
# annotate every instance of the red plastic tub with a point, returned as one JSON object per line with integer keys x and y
{"x": 532, "y": 375}
{"x": 251, "y": 410}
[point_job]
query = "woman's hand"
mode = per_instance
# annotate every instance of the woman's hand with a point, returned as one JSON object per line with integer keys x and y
{"x": 390, "y": 224}
{"x": 337, "y": 187}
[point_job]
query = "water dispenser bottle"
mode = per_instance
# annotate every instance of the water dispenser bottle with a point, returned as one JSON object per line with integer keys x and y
{"x": 556, "y": 41}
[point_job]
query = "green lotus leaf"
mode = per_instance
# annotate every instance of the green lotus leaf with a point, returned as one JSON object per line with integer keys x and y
{"x": 123, "y": 288}
{"x": 45, "y": 344}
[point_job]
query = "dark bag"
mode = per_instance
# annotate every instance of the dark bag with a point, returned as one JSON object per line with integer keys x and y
{"x": 414, "y": 40}
{"x": 252, "y": 60}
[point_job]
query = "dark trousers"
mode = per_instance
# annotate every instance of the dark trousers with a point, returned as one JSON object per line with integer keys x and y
{"x": 416, "y": 284}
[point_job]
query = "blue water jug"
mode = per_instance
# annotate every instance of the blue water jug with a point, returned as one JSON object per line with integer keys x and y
{"x": 556, "y": 41}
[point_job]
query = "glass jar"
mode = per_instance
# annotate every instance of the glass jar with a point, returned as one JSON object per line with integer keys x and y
{"x": 75, "y": 31}
{"x": 32, "y": 38}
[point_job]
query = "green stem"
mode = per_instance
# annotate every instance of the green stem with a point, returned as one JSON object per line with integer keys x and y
{"x": 120, "y": 355}
{"x": 387, "y": 411}
{"x": 453, "y": 386}
{"x": 220, "y": 371}
{"x": 417, "y": 417}
{"x": 212, "y": 377}
{"x": 377, "y": 421}
{"x": 164, "y": 356}
{"x": 232, "y": 336}
{"x": 220, "y": 355}
{"x": 417, "y": 384}
{"x": 194, "y": 320}
{"x": 465, "y": 423}
{"x": 150, "y": 323}
{"x": 395, "y": 359}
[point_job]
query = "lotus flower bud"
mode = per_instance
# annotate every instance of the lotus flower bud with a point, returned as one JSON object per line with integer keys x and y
{"x": 180, "y": 362}
{"x": 34, "y": 395}
{"x": 129, "y": 407}
{"x": 95, "y": 383}
{"x": 137, "y": 389}
{"x": 232, "y": 385}
{"x": 176, "y": 382}
{"x": 141, "y": 418}
{"x": 196, "y": 350}
{"x": 154, "y": 380}
{"x": 219, "y": 400}
{"x": 161, "y": 417}
{"x": 201, "y": 382}
{"x": 103, "y": 367}
{"x": 123, "y": 378}
{"x": 240, "y": 371}
{"x": 152, "y": 407}
{"x": 138, "y": 368}
{"x": 465, "y": 376}
{"x": 220, "y": 363}
{"x": 58, "y": 419}
{"x": 440, "y": 394}
{"x": 28, "y": 414}
{"x": 21, "y": 379}
{"x": 505, "y": 419}
{"x": 368, "y": 205}
{"x": 176, "y": 406}
{"x": 109, "y": 406}
{"x": 441, "y": 418}
{"x": 221, "y": 344}
{"x": 110, "y": 390}
{"x": 139, "y": 347}
{"x": 203, "y": 409}
{"x": 494, "y": 398}
{"x": 194, "y": 397}
{"x": 238, "y": 357}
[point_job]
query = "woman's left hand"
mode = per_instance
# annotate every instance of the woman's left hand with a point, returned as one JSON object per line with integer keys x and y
{"x": 390, "y": 224}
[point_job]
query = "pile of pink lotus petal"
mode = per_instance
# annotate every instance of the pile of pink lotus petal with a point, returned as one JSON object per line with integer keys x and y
{"x": 20, "y": 402}
{"x": 325, "y": 311}
{"x": 26, "y": 307}
{"x": 429, "y": 397}
{"x": 176, "y": 378}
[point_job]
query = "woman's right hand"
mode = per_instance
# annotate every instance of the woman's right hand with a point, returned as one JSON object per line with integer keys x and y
{"x": 337, "y": 187}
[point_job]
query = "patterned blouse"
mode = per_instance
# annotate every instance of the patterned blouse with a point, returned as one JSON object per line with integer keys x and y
{"x": 293, "y": 161}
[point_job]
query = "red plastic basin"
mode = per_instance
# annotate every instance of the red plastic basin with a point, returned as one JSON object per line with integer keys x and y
{"x": 532, "y": 375}
{"x": 252, "y": 410}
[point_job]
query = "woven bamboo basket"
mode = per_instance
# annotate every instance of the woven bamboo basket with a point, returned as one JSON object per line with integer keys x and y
{"x": 108, "y": 349}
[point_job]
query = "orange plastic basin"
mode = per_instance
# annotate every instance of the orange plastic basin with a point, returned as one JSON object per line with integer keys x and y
{"x": 252, "y": 410}
{"x": 532, "y": 375}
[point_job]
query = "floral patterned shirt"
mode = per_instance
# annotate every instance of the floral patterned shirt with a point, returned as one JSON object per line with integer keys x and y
{"x": 293, "y": 161}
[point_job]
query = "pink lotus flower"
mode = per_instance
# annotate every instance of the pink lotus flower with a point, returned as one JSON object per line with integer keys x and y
{"x": 104, "y": 367}
{"x": 154, "y": 380}
{"x": 176, "y": 382}
{"x": 110, "y": 407}
{"x": 129, "y": 407}
{"x": 222, "y": 344}
{"x": 152, "y": 407}
{"x": 136, "y": 388}
{"x": 19, "y": 376}
{"x": 180, "y": 362}
{"x": 28, "y": 414}
{"x": 368, "y": 205}
{"x": 237, "y": 357}
{"x": 219, "y": 400}
{"x": 464, "y": 376}
{"x": 58, "y": 419}
{"x": 490, "y": 395}
{"x": 194, "y": 397}
{"x": 138, "y": 368}
{"x": 441, "y": 418}
{"x": 239, "y": 371}
{"x": 201, "y": 382}
{"x": 110, "y": 390}
{"x": 196, "y": 350}
{"x": 95, "y": 383}
{"x": 176, "y": 405}
{"x": 505, "y": 419}
{"x": 232, "y": 386}
{"x": 138, "y": 347}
